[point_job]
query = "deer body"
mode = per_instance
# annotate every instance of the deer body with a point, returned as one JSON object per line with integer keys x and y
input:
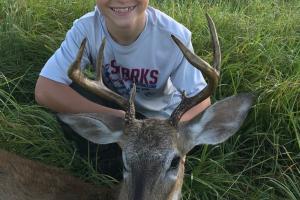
{"x": 153, "y": 150}
{"x": 23, "y": 179}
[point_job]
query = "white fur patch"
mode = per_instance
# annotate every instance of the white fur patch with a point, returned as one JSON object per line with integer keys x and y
{"x": 197, "y": 128}
{"x": 176, "y": 195}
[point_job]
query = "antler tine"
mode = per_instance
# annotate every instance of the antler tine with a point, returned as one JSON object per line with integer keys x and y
{"x": 212, "y": 74}
{"x": 99, "y": 63}
{"x": 130, "y": 113}
{"x": 215, "y": 43}
{"x": 97, "y": 87}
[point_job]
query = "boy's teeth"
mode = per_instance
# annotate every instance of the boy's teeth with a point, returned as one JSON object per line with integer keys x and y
{"x": 123, "y": 10}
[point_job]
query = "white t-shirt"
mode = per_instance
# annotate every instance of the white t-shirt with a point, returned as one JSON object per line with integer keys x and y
{"x": 153, "y": 61}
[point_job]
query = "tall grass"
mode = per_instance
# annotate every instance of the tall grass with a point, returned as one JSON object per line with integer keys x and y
{"x": 260, "y": 43}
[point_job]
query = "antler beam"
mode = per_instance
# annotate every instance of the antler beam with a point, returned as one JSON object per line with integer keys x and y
{"x": 95, "y": 86}
{"x": 212, "y": 74}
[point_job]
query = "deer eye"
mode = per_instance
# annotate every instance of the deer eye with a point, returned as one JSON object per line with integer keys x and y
{"x": 175, "y": 163}
{"x": 125, "y": 169}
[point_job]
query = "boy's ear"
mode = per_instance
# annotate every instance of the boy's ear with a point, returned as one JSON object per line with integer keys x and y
{"x": 217, "y": 123}
{"x": 95, "y": 127}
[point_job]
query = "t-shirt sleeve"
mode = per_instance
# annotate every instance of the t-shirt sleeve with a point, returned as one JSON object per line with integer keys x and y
{"x": 186, "y": 77}
{"x": 56, "y": 68}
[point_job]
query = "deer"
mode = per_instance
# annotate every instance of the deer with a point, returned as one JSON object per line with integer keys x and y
{"x": 153, "y": 150}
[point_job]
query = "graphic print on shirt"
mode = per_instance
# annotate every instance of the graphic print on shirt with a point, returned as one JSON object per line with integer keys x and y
{"x": 121, "y": 78}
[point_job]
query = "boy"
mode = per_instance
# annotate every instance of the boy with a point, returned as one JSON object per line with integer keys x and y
{"x": 138, "y": 48}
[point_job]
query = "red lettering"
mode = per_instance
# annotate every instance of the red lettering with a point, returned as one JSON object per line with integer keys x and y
{"x": 143, "y": 78}
{"x": 125, "y": 74}
{"x": 135, "y": 73}
{"x": 138, "y": 75}
{"x": 115, "y": 67}
{"x": 154, "y": 76}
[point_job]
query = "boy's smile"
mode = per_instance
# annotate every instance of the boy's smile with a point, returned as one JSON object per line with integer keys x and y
{"x": 125, "y": 19}
{"x": 122, "y": 10}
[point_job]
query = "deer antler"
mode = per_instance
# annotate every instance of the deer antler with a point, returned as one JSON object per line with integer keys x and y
{"x": 130, "y": 113}
{"x": 212, "y": 74}
{"x": 95, "y": 86}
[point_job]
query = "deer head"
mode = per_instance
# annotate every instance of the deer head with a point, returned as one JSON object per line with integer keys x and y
{"x": 154, "y": 149}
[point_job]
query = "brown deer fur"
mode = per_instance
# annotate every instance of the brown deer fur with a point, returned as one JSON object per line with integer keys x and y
{"x": 23, "y": 179}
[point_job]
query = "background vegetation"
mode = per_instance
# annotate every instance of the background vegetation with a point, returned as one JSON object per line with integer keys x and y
{"x": 260, "y": 42}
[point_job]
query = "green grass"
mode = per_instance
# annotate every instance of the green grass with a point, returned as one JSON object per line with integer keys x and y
{"x": 260, "y": 42}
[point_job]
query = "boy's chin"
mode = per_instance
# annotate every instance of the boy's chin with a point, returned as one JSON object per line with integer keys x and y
{"x": 124, "y": 25}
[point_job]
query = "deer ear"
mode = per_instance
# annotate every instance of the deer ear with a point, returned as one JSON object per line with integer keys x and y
{"x": 97, "y": 128}
{"x": 218, "y": 122}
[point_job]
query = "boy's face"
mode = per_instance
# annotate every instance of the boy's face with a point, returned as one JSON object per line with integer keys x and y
{"x": 123, "y": 13}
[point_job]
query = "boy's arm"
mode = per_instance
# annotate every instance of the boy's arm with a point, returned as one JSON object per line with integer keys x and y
{"x": 196, "y": 110}
{"x": 61, "y": 98}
